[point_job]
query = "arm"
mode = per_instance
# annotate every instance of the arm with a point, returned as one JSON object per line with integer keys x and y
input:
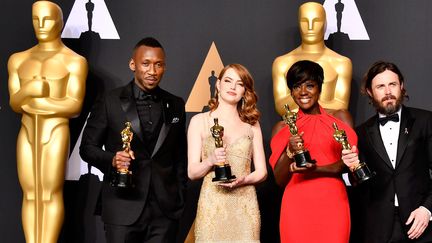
{"x": 22, "y": 94}
{"x": 281, "y": 171}
{"x": 198, "y": 168}
{"x": 258, "y": 158}
{"x": 421, "y": 216}
{"x": 182, "y": 150}
{"x": 69, "y": 105}
{"x": 281, "y": 92}
{"x": 343, "y": 115}
{"x": 343, "y": 86}
{"x": 94, "y": 137}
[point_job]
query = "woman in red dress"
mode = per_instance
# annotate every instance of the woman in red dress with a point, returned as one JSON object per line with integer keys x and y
{"x": 315, "y": 204}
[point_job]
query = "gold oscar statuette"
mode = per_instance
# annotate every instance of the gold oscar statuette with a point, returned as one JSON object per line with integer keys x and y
{"x": 123, "y": 177}
{"x": 46, "y": 87}
{"x": 336, "y": 89}
{"x": 222, "y": 170}
{"x": 301, "y": 155}
{"x": 361, "y": 172}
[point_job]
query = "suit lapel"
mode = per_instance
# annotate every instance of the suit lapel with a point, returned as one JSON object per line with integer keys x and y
{"x": 376, "y": 140}
{"x": 128, "y": 105}
{"x": 167, "y": 111}
{"x": 404, "y": 133}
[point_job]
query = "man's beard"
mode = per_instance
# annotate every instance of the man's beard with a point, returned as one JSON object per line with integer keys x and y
{"x": 390, "y": 108}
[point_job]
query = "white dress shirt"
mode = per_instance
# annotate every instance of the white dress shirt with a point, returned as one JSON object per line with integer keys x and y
{"x": 390, "y": 137}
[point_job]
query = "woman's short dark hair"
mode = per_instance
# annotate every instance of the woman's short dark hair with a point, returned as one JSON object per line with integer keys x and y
{"x": 303, "y": 71}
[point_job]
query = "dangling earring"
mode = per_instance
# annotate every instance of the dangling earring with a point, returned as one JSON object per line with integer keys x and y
{"x": 243, "y": 103}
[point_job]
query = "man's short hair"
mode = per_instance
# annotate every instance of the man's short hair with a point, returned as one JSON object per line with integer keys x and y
{"x": 150, "y": 42}
{"x": 377, "y": 68}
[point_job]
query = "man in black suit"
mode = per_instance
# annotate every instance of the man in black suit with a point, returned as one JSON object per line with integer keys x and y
{"x": 396, "y": 143}
{"x": 148, "y": 212}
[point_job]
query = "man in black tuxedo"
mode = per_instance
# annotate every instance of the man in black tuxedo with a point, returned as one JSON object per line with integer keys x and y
{"x": 396, "y": 143}
{"x": 148, "y": 212}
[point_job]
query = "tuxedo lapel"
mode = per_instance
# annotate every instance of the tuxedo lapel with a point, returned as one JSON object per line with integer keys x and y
{"x": 404, "y": 133}
{"x": 376, "y": 140}
{"x": 167, "y": 108}
{"x": 128, "y": 105}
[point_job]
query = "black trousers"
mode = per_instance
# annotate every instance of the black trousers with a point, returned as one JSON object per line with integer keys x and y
{"x": 399, "y": 232}
{"x": 151, "y": 227}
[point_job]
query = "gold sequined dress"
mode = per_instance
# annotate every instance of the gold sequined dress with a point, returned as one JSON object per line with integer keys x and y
{"x": 228, "y": 215}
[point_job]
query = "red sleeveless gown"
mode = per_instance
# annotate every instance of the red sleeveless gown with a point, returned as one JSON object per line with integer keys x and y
{"x": 314, "y": 209}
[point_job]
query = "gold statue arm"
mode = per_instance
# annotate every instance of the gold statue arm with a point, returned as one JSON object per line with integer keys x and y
{"x": 21, "y": 95}
{"x": 281, "y": 92}
{"x": 342, "y": 89}
{"x": 42, "y": 103}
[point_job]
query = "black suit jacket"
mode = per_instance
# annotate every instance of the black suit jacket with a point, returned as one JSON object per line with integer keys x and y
{"x": 410, "y": 179}
{"x": 163, "y": 169}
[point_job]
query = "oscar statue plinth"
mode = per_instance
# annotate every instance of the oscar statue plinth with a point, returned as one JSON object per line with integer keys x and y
{"x": 361, "y": 172}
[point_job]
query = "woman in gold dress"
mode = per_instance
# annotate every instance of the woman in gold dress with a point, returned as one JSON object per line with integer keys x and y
{"x": 228, "y": 211}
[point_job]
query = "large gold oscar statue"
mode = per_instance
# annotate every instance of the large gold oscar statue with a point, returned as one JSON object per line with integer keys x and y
{"x": 47, "y": 86}
{"x": 336, "y": 88}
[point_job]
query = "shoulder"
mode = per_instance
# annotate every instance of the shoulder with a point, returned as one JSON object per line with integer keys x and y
{"x": 256, "y": 128}
{"x": 337, "y": 59}
{"x": 199, "y": 117}
{"x": 17, "y": 58}
{"x": 369, "y": 122}
{"x": 197, "y": 121}
{"x": 118, "y": 90}
{"x": 417, "y": 112}
{"x": 116, "y": 93}
{"x": 71, "y": 56}
{"x": 342, "y": 115}
{"x": 170, "y": 96}
{"x": 277, "y": 127}
{"x": 285, "y": 61}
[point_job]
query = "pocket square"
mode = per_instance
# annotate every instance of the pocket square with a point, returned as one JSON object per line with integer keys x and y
{"x": 175, "y": 120}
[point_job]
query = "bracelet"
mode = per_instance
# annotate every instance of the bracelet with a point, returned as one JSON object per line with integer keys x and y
{"x": 289, "y": 154}
{"x": 290, "y": 169}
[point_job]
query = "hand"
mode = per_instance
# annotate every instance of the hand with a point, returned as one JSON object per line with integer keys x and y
{"x": 350, "y": 158}
{"x": 420, "y": 220}
{"x": 296, "y": 142}
{"x": 122, "y": 159}
{"x": 294, "y": 169}
{"x": 218, "y": 157}
{"x": 38, "y": 88}
{"x": 233, "y": 184}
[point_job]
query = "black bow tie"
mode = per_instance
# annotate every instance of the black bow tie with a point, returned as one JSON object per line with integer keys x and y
{"x": 393, "y": 117}
{"x": 146, "y": 96}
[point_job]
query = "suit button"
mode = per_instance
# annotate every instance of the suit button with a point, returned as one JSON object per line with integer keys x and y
{"x": 150, "y": 122}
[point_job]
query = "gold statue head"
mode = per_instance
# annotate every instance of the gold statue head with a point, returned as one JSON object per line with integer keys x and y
{"x": 47, "y": 20}
{"x": 312, "y": 22}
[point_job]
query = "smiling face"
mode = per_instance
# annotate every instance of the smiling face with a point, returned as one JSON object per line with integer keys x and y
{"x": 386, "y": 92}
{"x": 306, "y": 95}
{"x": 47, "y": 20}
{"x": 312, "y": 21}
{"x": 148, "y": 64}
{"x": 230, "y": 87}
